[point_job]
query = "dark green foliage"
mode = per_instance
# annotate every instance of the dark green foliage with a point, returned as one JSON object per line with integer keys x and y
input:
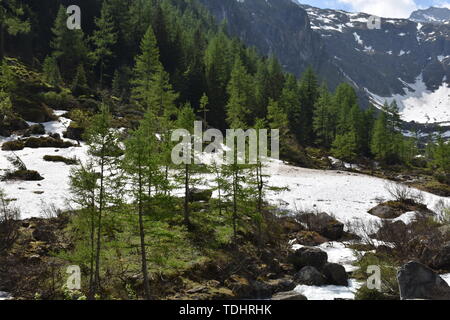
{"x": 65, "y": 160}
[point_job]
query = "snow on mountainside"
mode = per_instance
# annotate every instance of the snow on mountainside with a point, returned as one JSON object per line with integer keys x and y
{"x": 341, "y": 46}
{"x": 403, "y": 60}
{"x": 431, "y": 15}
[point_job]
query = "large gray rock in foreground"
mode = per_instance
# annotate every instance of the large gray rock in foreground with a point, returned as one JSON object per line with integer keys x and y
{"x": 290, "y": 295}
{"x": 308, "y": 256}
{"x": 417, "y": 281}
{"x": 310, "y": 276}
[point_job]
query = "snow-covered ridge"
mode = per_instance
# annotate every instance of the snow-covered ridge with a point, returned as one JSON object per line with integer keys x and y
{"x": 420, "y": 104}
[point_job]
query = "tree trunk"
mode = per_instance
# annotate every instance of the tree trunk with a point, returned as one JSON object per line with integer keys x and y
{"x": 99, "y": 228}
{"x": 2, "y": 41}
{"x": 142, "y": 236}
{"x": 187, "y": 221}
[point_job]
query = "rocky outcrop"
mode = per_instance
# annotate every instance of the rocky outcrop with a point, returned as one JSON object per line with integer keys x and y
{"x": 196, "y": 195}
{"x": 324, "y": 224}
{"x": 417, "y": 281}
{"x": 308, "y": 256}
{"x": 310, "y": 276}
{"x": 335, "y": 274}
{"x": 441, "y": 260}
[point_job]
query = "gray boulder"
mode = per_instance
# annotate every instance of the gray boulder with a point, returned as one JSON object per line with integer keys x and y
{"x": 417, "y": 281}
{"x": 323, "y": 224}
{"x": 290, "y": 295}
{"x": 196, "y": 195}
{"x": 308, "y": 256}
{"x": 310, "y": 276}
{"x": 335, "y": 274}
{"x": 442, "y": 259}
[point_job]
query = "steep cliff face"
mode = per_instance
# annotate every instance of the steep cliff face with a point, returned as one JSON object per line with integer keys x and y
{"x": 403, "y": 59}
{"x": 431, "y": 15}
{"x": 280, "y": 28}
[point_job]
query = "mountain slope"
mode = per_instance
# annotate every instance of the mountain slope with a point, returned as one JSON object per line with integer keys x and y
{"x": 401, "y": 60}
{"x": 432, "y": 15}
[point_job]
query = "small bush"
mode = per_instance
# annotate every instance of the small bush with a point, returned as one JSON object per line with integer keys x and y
{"x": 36, "y": 129}
{"x": 23, "y": 175}
{"x": 67, "y": 161}
{"x": 47, "y": 142}
{"x": 15, "y": 145}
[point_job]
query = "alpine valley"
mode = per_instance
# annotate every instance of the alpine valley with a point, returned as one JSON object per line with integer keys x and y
{"x": 406, "y": 59}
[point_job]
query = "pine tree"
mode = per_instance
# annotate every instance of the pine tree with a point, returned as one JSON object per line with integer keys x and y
{"x": 51, "y": 72}
{"x": 103, "y": 39}
{"x": 323, "y": 121}
{"x": 104, "y": 152}
{"x": 290, "y": 103}
{"x": 69, "y": 46}
{"x": 238, "y": 91}
{"x": 204, "y": 101}
{"x": 345, "y": 146}
{"x": 147, "y": 65}
{"x": 142, "y": 162}
{"x": 11, "y": 22}
{"x": 380, "y": 138}
{"x": 79, "y": 84}
{"x": 309, "y": 93}
{"x": 186, "y": 119}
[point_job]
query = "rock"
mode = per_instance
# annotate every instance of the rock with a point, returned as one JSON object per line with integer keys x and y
{"x": 290, "y": 295}
{"x": 239, "y": 286}
{"x": 445, "y": 230}
{"x": 43, "y": 235}
{"x": 308, "y": 256}
{"x": 442, "y": 259}
{"x": 310, "y": 276}
{"x": 417, "y": 281}
{"x": 36, "y": 129}
{"x": 324, "y": 224}
{"x": 279, "y": 285}
{"x": 74, "y": 132}
{"x": 196, "y": 195}
{"x": 290, "y": 225}
{"x": 310, "y": 238}
{"x": 260, "y": 290}
{"x": 384, "y": 212}
{"x": 335, "y": 274}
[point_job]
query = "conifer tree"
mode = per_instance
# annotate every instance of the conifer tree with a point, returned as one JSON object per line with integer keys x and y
{"x": 68, "y": 46}
{"x": 309, "y": 93}
{"x": 104, "y": 39}
{"x": 324, "y": 118}
{"x": 104, "y": 152}
{"x": 79, "y": 84}
{"x": 147, "y": 65}
{"x": 142, "y": 162}
{"x": 11, "y": 21}
{"x": 51, "y": 72}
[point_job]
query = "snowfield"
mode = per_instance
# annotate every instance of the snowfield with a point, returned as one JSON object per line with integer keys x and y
{"x": 347, "y": 196}
{"x": 420, "y": 104}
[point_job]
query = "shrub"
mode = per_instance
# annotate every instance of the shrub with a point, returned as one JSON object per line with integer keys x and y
{"x": 8, "y": 227}
{"x": 13, "y": 145}
{"x": 47, "y": 142}
{"x": 24, "y": 175}
{"x": 60, "y": 159}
